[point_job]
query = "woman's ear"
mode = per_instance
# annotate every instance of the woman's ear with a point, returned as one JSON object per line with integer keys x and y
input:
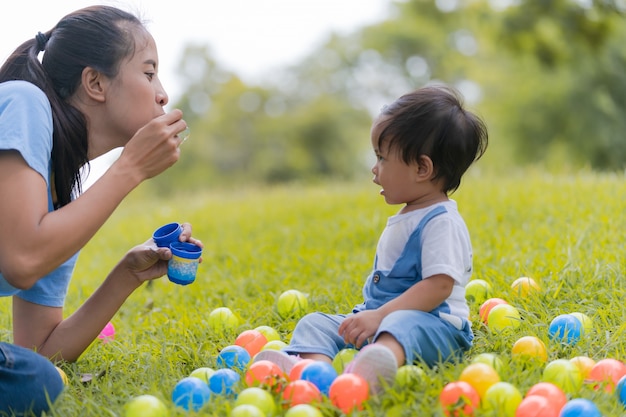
{"x": 425, "y": 168}
{"x": 93, "y": 84}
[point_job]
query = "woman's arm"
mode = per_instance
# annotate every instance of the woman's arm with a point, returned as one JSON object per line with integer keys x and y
{"x": 34, "y": 241}
{"x": 44, "y": 329}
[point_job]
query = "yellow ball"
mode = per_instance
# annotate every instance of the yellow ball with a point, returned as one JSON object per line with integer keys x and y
{"x": 524, "y": 286}
{"x": 530, "y": 347}
{"x": 503, "y": 317}
{"x": 480, "y": 376}
{"x": 64, "y": 377}
{"x": 292, "y": 304}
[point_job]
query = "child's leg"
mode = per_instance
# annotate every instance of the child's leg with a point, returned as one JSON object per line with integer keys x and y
{"x": 316, "y": 336}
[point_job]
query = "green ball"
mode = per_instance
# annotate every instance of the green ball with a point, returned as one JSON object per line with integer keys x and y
{"x": 145, "y": 406}
{"x": 477, "y": 291}
{"x": 343, "y": 358}
{"x": 409, "y": 376}
{"x": 259, "y": 398}
{"x": 292, "y": 304}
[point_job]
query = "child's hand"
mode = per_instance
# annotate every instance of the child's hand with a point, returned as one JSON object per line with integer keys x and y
{"x": 358, "y": 328}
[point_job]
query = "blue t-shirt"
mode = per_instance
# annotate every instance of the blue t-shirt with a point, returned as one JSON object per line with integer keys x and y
{"x": 26, "y": 126}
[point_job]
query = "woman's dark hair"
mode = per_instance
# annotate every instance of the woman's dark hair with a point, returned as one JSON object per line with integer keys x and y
{"x": 432, "y": 121}
{"x": 98, "y": 37}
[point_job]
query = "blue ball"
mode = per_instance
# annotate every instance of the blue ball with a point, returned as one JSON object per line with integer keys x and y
{"x": 224, "y": 381}
{"x": 191, "y": 392}
{"x": 320, "y": 374}
{"x": 620, "y": 390}
{"x": 580, "y": 407}
{"x": 566, "y": 329}
{"x": 233, "y": 357}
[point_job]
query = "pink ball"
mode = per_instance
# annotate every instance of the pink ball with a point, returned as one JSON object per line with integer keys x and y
{"x": 108, "y": 333}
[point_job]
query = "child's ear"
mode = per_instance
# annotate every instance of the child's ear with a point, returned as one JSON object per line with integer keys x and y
{"x": 425, "y": 168}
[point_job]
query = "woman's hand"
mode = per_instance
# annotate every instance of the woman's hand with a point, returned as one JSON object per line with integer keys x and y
{"x": 155, "y": 147}
{"x": 147, "y": 261}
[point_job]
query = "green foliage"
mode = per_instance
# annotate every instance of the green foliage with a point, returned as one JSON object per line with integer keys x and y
{"x": 547, "y": 76}
{"x": 566, "y": 232}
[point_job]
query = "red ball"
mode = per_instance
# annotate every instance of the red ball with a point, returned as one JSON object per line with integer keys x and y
{"x": 553, "y": 393}
{"x": 252, "y": 341}
{"x": 264, "y": 373}
{"x": 459, "y": 398}
{"x": 606, "y": 373}
{"x": 536, "y": 406}
{"x": 300, "y": 392}
{"x": 348, "y": 392}
{"x": 296, "y": 370}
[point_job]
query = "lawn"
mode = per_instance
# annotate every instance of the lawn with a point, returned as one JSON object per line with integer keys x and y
{"x": 565, "y": 232}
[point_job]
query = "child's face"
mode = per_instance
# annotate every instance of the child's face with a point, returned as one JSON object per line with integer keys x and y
{"x": 399, "y": 180}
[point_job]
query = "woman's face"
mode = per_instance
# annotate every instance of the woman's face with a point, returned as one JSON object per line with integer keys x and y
{"x": 136, "y": 95}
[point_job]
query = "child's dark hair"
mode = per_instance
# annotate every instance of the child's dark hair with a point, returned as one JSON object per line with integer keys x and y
{"x": 98, "y": 37}
{"x": 431, "y": 121}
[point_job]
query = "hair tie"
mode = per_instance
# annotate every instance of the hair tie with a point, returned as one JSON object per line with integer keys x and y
{"x": 42, "y": 39}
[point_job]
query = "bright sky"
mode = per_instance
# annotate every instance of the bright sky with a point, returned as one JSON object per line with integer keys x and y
{"x": 247, "y": 36}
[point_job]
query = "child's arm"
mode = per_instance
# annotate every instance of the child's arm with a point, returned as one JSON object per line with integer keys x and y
{"x": 425, "y": 295}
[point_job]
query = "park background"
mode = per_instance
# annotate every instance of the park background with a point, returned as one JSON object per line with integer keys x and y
{"x": 276, "y": 181}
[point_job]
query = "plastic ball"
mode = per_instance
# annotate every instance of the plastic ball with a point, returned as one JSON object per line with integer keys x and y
{"x": 296, "y": 370}
{"x": 145, "y": 406}
{"x": 502, "y": 397}
{"x": 477, "y": 290}
{"x": 530, "y": 347}
{"x": 585, "y": 321}
{"x": 409, "y": 376}
{"x": 564, "y": 374}
{"x": 536, "y": 406}
{"x": 459, "y": 398}
{"x": 269, "y": 332}
{"x": 107, "y": 334}
{"x": 486, "y": 307}
{"x": 607, "y": 373}
{"x": 191, "y": 393}
{"x": 480, "y": 376}
{"x": 620, "y": 390}
{"x": 292, "y": 304}
{"x": 259, "y": 398}
{"x": 348, "y": 392}
{"x": 264, "y": 373}
{"x": 303, "y": 410}
{"x": 275, "y": 345}
{"x": 224, "y": 381}
{"x": 553, "y": 393}
{"x": 580, "y": 407}
{"x": 63, "y": 375}
{"x": 246, "y": 410}
{"x": 489, "y": 358}
{"x": 252, "y": 341}
{"x": 343, "y": 358}
{"x": 301, "y": 392}
{"x": 233, "y": 357}
{"x": 503, "y": 317}
{"x": 584, "y": 364}
{"x": 565, "y": 328}
{"x": 321, "y": 374}
{"x": 222, "y": 319}
{"x": 203, "y": 373}
{"x": 524, "y": 286}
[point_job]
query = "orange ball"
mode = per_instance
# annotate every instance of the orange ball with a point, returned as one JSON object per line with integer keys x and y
{"x": 300, "y": 392}
{"x": 459, "y": 398}
{"x": 530, "y": 347}
{"x": 480, "y": 376}
{"x": 552, "y": 392}
{"x": 252, "y": 341}
{"x": 486, "y": 307}
{"x": 297, "y": 369}
{"x": 264, "y": 373}
{"x": 536, "y": 406}
{"x": 348, "y": 392}
{"x": 607, "y": 373}
{"x": 584, "y": 364}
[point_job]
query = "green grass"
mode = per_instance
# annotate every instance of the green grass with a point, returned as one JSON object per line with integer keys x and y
{"x": 566, "y": 232}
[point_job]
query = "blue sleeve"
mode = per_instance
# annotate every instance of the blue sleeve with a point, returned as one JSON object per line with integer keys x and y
{"x": 26, "y": 124}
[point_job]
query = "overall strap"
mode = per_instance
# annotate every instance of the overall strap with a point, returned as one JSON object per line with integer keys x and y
{"x": 411, "y": 256}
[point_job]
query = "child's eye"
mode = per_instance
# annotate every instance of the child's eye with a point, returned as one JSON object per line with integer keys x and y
{"x": 150, "y": 75}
